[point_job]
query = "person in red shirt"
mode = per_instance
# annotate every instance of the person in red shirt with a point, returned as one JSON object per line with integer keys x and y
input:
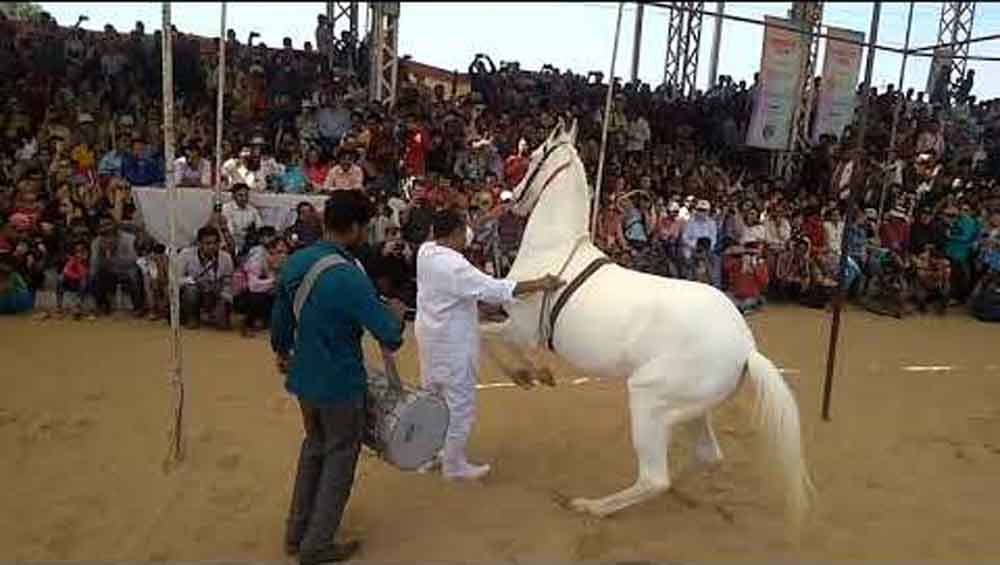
{"x": 895, "y": 231}
{"x": 748, "y": 277}
{"x": 516, "y": 165}
{"x": 812, "y": 228}
{"x": 418, "y": 143}
{"x": 73, "y": 281}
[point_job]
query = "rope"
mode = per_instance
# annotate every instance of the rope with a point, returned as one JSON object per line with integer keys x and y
{"x": 544, "y": 328}
{"x": 607, "y": 120}
{"x": 175, "y": 451}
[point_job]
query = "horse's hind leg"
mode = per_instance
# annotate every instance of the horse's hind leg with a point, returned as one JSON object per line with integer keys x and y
{"x": 706, "y": 447}
{"x": 651, "y": 421}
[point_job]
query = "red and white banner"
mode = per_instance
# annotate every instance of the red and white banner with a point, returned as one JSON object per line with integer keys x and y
{"x": 838, "y": 87}
{"x": 777, "y": 93}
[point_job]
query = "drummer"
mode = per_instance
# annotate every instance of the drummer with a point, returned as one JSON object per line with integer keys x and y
{"x": 322, "y": 358}
{"x": 447, "y": 330}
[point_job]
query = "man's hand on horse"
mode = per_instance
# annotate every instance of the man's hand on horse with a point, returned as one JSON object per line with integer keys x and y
{"x": 552, "y": 282}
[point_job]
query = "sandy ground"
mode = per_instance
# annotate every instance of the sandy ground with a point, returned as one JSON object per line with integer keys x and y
{"x": 909, "y": 467}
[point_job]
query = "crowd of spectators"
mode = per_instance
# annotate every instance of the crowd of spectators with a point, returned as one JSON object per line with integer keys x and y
{"x": 682, "y": 195}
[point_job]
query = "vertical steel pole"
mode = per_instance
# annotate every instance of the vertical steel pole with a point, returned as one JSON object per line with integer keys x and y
{"x": 713, "y": 63}
{"x": 838, "y": 301}
{"x": 219, "y": 106}
{"x": 607, "y": 120}
{"x": 896, "y": 111}
{"x": 636, "y": 42}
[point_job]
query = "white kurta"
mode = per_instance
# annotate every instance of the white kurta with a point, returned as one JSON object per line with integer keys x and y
{"x": 447, "y": 331}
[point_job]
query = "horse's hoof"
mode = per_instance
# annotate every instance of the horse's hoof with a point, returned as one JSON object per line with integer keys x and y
{"x": 585, "y": 506}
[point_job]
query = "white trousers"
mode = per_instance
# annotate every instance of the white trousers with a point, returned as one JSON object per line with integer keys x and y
{"x": 450, "y": 370}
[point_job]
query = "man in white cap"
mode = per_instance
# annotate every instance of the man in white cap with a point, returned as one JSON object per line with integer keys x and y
{"x": 698, "y": 226}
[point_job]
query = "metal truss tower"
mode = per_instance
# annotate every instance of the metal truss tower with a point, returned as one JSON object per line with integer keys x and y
{"x": 955, "y": 28}
{"x": 810, "y": 14}
{"x": 346, "y": 15}
{"x": 680, "y": 69}
{"x": 383, "y": 20}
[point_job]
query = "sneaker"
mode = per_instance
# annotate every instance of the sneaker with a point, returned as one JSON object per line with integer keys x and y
{"x": 465, "y": 472}
{"x": 331, "y": 554}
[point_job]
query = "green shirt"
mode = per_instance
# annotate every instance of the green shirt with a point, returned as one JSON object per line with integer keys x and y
{"x": 327, "y": 360}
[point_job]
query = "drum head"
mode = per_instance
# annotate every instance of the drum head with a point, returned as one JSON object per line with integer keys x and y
{"x": 419, "y": 433}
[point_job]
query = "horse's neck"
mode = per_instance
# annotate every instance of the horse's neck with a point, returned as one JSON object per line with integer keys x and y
{"x": 558, "y": 221}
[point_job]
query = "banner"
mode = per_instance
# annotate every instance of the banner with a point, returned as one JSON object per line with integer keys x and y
{"x": 838, "y": 87}
{"x": 194, "y": 209}
{"x": 776, "y": 95}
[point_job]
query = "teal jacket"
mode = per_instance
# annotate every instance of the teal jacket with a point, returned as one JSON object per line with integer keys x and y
{"x": 961, "y": 236}
{"x": 17, "y": 298}
{"x": 327, "y": 360}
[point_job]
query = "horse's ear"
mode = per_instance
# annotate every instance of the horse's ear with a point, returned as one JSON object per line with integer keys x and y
{"x": 556, "y": 131}
{"x": 572, "y": 132}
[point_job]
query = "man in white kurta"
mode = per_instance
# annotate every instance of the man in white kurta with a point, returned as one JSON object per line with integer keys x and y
{"x": 447, "y": 330}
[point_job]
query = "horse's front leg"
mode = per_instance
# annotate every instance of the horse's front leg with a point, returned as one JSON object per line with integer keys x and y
{"x": 525, "y": 372}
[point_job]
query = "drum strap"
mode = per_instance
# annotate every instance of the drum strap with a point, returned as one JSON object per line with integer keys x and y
{"x": 312, "y": 275}
{"x": 564, "y": 297}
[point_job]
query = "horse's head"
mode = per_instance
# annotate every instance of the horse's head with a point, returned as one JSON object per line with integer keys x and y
{"x": 549, "y": 160}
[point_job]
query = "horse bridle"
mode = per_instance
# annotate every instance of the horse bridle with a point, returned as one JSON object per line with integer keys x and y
{"x": 531, "y": 177}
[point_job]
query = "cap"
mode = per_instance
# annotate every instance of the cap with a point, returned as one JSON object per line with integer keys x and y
{"x": 506, "y": 196}
{"x": 85, "y": 119}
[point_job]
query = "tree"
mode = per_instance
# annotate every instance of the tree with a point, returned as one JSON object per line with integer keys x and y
{"x": 21, "y": 10}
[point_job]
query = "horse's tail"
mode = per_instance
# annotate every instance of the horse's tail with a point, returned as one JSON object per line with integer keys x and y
{"x": 777, "y": 415}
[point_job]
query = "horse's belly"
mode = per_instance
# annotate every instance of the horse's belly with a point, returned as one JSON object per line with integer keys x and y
{"x": 618, "y": 322}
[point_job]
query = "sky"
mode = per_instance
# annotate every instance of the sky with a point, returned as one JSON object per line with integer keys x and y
{"x": 575, "y": 35}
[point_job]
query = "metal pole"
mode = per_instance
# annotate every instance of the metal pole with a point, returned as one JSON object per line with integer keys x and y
{"x": 637, "y": 42}
{"x": 176, "y": 450}
{"x": 713, "y": 63}
{"x": 896, "y": 111}
{"x": 219, "y": 106}
{"x": 838, "y": 300}
{"x": 607, "y": 120}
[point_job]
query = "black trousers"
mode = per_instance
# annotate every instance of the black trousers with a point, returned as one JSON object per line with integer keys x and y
{"x": 258, "y": 307}
{"x": 325, "y": 473}
{"x": 107, "y": 279}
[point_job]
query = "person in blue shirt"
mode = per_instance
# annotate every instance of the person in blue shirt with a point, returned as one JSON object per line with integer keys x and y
{"x": 15, "y": 296}
{"x": 322, "y": 357}
{"x": 141, "y": 169}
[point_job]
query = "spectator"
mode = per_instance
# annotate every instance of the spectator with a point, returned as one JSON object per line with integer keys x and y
{"x": 747, "y": 276}
{"x": 192, "y": 170}
{"x": 793, "y": 274}
{"x": 262, "y": 272}
{"x": 242, "y": 218}
{"x": 113, "y": 264}
{"x": 74, "y": 281}
{"x": 962, "y": 233}
{"x": 346, "y": 175}
{"x": 933, "y": 278}
{"x": 700, "y": 225}
{"x": 316, "y": 169}
{"x": 705, "y": 266}
{"x": 139, "y": 168}
{"x": 308, "y": 226}
{"x": 206, "y": 274}
{"x": 15, "y": 296}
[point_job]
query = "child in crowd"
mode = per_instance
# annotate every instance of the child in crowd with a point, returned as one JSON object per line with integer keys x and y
{"x": 704, "y": 266}
{"x": 932, "y": 277}
{"x": 75, "y": 279}
{"x": 154, "y": 267}
{"x": 747, "y": 276}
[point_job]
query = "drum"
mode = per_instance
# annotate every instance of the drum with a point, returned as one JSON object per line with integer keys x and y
{"x": 405, "y": 427}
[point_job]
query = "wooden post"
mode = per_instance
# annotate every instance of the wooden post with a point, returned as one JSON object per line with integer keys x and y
{"x": 838, "y": 300}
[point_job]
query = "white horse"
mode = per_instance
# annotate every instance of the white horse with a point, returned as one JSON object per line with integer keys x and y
{"x": 684, "y": 345}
